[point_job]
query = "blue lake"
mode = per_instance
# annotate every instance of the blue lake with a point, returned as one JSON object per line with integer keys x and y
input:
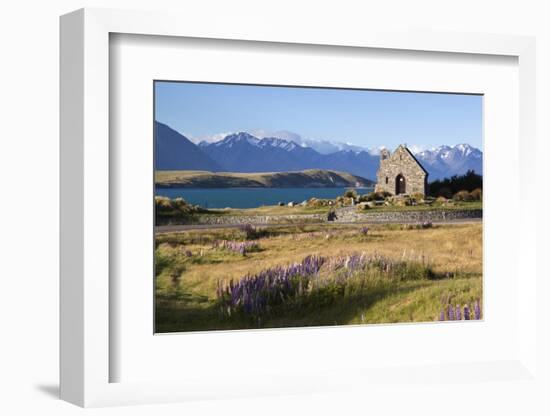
{"x": 251, "y": 197}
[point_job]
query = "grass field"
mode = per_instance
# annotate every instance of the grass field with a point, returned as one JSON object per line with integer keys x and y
{"x": 441, "y": 265}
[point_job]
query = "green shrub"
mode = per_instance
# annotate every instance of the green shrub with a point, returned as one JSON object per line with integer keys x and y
{"x": 464, "y": 196}
{"x": 315, "y": 202}
{"x": 374, "y": 196}
{"x": 168, "y": 210}
{"x": 350, "y": 193}
{"x": 401, "y": 202}
{"x": 477, "y": 194}
{"x": 417, "y": 197}
{"x": 339, "y": 201}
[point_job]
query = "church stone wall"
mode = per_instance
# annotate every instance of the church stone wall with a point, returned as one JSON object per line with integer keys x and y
{"x": 401, "y": 162}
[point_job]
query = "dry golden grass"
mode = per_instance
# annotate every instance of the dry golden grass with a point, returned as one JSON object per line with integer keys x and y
{"x": 449, "y": 248}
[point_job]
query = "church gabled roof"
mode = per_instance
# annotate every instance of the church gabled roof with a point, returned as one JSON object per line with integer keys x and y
{"x": 415, "y": 159}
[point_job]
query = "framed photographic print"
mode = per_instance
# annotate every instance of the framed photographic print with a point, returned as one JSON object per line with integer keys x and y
{"x": 282, "y": 213}
{"x": 259, "y": 228}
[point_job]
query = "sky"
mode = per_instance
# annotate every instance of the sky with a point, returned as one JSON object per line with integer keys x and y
{"x": 364, "y": 118}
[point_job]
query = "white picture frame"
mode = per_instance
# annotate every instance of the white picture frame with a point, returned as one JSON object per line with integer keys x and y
{"x": 86, "y": 356}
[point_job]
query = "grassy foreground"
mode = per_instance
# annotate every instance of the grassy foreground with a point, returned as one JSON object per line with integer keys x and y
{"x": 191, "y": 265}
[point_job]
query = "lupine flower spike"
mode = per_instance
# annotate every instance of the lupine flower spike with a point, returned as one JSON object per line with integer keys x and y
{"x": 477, "y": 310}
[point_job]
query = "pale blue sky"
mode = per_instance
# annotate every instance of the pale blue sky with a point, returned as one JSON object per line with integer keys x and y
{"x": 361, "y": 117}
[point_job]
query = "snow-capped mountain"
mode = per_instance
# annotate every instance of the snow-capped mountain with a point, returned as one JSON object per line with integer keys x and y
{"x": 236, "y": 139}
{"x": 243, "y": 152}
{"x": 244, "y": 138}
{"x": 277, "y": 142}
{"x": 324, "y": 147}
{"x": 445, "y": 161}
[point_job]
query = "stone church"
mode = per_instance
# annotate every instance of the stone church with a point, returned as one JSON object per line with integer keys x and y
{"x": 401, "y": 173}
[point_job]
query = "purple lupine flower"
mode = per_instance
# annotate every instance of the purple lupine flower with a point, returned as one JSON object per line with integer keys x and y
{"x": 451, "y": 313}
{"x": 477, "y": 310}
{"x": 254, "y": 294}
{"x": 364, "y": 230}
{"x": 458, "y": 313}
{"x": 442, "y": 315}
{"x": 466, "y": 312}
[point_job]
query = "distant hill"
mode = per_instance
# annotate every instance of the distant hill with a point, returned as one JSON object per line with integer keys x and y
{"x": 315, "y": 178}
{"x": 174, "y": 151}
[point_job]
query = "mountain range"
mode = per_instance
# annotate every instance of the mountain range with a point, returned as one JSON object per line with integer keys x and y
{"x": 445, "y": 161}
{"x": 245, "y": 152}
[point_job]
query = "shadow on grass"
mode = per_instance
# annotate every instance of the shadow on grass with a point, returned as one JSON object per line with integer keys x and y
{"x": 191, "y": 313}
{"x": 453, "y": 275}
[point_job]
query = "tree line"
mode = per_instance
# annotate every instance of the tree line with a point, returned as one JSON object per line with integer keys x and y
{"x": 450, "y": 186}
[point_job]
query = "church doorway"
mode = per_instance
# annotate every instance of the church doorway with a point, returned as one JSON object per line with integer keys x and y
{"x": 400, "y": 185}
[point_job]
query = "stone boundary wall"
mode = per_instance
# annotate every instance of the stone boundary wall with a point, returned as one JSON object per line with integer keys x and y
{"x": 261, "y": 219}
{"x": 346, "y": 216}
{"x": 411, "y": 216}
